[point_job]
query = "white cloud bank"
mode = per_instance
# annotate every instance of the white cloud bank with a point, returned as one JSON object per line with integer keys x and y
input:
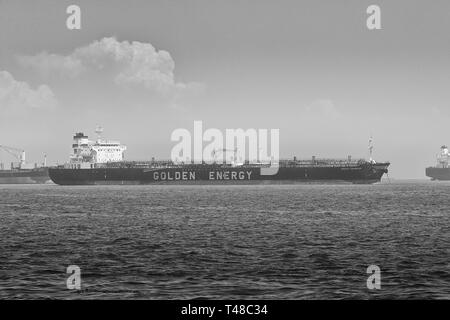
{"x": 46, "y": 64}
{"x": 322, "y": 108}
{"x": 128, "y": 63}
{"x": 17, "y": 95}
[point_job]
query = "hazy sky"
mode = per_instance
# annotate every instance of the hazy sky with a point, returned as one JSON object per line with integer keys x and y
{"x": 310, "y": 68}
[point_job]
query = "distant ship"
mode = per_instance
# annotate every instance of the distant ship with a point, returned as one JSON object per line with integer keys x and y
{"x": 101, "y": 162}
{"x": 441, "y": 171}
{"x": 22, "y": 173}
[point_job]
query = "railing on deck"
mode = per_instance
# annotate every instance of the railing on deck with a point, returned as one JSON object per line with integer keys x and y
{"x": 281, "y": 163}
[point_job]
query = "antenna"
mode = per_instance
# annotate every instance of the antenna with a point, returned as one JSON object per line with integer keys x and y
{"x": 99, "y": 131}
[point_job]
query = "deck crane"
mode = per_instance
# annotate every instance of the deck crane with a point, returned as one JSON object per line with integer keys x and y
{"x": 19, "y": 154}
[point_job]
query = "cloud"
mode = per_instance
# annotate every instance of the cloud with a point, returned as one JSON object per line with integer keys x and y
{"x": 436, "y": 112}
{"x": 322, "y": 108}
{"x": 125, "y": 63}
{"x": 19, "y": 95}
{"x": 46, "y": 64}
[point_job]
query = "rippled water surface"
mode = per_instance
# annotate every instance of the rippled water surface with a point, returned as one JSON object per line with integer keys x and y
{"x": 250, "y": 242}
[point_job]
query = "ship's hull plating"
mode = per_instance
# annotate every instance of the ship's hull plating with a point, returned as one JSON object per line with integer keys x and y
{"x": 32, "y": 176}
{"x": 365, "y": 174}
{"x": 438, "y": 173}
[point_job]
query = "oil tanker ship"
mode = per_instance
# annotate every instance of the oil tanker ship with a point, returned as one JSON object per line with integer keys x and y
{"x": 21, "y": 172}
{"x": 441, "y": 171}
{"x": 101, "y": 162}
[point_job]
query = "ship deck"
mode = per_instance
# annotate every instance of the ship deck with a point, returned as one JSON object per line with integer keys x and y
{"x": 166, "y": 164}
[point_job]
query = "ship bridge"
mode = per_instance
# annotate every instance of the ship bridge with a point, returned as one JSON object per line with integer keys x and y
{"x": 87, "y": 153}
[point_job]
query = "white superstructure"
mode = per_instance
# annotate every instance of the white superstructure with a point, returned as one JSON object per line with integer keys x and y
{"x": 86, "y": 153}
{"x": 443, "y": 158}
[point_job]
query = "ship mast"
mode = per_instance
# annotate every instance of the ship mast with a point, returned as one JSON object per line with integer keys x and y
{"x": 371, "y": 149}
{"x": 99, "y": 131}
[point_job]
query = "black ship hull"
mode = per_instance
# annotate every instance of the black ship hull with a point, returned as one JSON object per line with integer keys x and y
{"x": 24, "y": 176}
{"x": 204, "y": 174}
{"x": 434, "y": 173}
